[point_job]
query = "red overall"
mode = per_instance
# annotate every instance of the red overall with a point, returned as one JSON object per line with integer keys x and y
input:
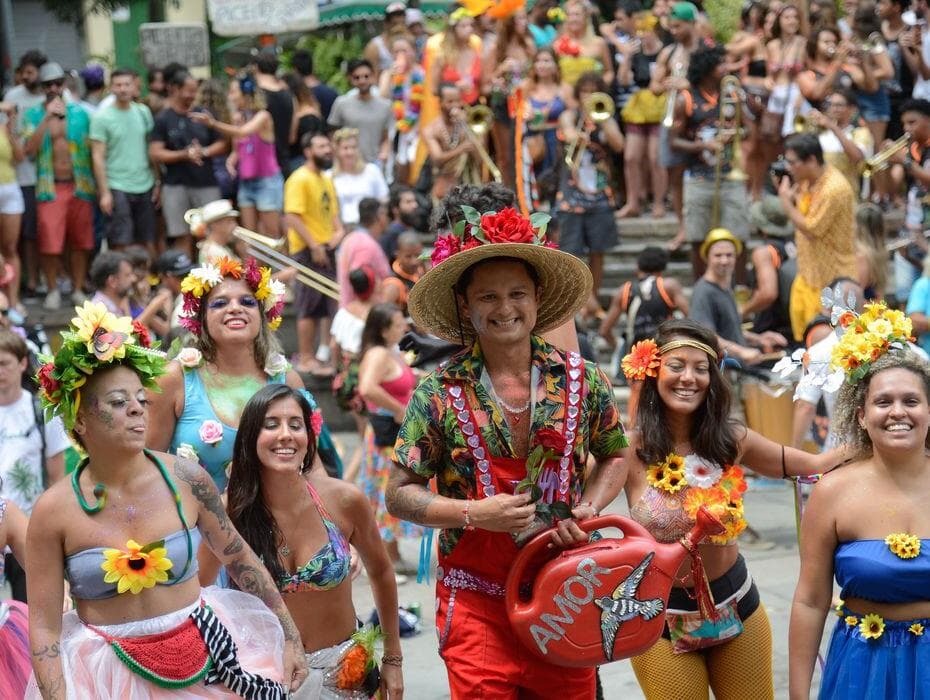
{"x": 484, "y": 659}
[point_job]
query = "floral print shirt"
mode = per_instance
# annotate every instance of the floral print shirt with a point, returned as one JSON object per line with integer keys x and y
{"x": 431, "y": 444}
{"x": 77, "y": 132}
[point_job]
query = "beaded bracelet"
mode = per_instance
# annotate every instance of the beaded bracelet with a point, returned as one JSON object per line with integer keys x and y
{"x": 392, "y": 660}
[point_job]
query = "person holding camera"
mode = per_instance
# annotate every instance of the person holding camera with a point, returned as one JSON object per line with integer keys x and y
{"x": 820, "y": 203}
{"x": 57, "y": 135}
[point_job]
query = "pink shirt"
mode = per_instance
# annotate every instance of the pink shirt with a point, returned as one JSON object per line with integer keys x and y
{"x": 358, "y": 249}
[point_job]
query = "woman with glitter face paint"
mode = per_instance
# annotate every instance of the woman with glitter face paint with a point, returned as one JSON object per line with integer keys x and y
{"x": 234, "y": 308}
{"x": 685, "y": 451}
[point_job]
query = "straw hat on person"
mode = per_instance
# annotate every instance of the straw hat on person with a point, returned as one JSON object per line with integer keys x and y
{"x": 210, "y": 212}
{"x": 565, "y": 281}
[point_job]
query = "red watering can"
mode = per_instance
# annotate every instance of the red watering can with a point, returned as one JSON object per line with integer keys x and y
{"x": 600, "y": 602}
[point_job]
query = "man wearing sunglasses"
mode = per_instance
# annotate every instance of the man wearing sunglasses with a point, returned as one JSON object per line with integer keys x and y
{"x": 57, "y": 138}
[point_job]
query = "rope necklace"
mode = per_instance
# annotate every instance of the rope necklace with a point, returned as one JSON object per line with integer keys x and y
{"x": 100, "y": 493}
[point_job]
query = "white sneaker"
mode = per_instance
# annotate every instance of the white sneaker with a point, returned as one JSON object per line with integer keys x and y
{"x": 78, "y": 297}
{"x": 52, "y": 301}
{"x": 323, "y": 354}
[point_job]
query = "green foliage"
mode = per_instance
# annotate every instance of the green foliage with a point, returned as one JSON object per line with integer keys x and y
{"x": 724, "y": 17}
{"x": 330, "y": 50}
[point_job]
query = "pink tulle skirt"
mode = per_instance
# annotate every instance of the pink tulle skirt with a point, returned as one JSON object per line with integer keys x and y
{"x": 92, "y": 669}
{"x": 15, "y": 664}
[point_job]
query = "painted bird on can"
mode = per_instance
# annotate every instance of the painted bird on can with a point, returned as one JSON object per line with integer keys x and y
{"x": 622, "y": 605}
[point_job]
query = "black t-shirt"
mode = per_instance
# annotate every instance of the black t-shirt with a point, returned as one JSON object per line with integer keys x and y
{"x": 280, "y": 104}
{"x": 325, "y": 95}
{"x": 178, "y": 132}
{"x": 307, "y": 124}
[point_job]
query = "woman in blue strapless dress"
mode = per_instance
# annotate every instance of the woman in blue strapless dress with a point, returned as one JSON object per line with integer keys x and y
{"x": 868, "y": 525}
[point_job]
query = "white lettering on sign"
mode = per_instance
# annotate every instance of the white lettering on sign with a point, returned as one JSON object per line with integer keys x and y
{"x": 569, "y": 603}
{"x": 239, "y": 17}
{"x": 166, "y": 42}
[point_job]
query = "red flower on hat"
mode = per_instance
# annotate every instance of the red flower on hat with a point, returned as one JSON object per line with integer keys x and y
{"x": 142, "y": 334}
{"x": 507, "y": 226}
{"x": 444, "y": 247}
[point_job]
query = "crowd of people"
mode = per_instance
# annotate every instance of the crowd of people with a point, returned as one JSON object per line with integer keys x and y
{"x": 440, "y": 235}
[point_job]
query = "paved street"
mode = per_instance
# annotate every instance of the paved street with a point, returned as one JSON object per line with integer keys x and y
{"x": 770, "y": 510}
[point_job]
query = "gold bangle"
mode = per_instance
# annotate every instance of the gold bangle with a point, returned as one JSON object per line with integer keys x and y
{"x": 392, "y": 660}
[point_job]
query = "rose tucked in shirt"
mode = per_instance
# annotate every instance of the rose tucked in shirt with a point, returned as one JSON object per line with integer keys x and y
{"x": 431, "y": 444}
{"x": 827, "y": 250}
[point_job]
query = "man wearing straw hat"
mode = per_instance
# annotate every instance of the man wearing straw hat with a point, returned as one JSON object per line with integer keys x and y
{"x": 494, "y": 286}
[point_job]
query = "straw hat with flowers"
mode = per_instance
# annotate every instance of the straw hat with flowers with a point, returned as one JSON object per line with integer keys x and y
{"x": 565, "y": 281}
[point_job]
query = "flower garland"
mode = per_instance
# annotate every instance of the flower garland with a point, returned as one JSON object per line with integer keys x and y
{"x": 407, "y": 98}
{"x": 566, "y": 46}
{"x": 718, "y": 488}
{"x": 97, "y": 337}
{"x": 201, "y": 280}
{"x": 505, "y": 226}
{"x": 863, "y": 339}
{"x": 903, "y": 545}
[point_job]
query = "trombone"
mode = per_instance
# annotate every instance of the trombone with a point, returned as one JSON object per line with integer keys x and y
{"x": 598, "y": 107}
{"x": 268, "y": 251}
{"x": 882, "y": 160}
{"x": 729, "y": 121}
{"x": 677, "y": 72}
{"x": 477, "y": 122}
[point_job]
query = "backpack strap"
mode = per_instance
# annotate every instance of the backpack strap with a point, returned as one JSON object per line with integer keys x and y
{"x": 625, "y": 292}
{"x": 775, "y": 255}
{"x": 660, "y": 287}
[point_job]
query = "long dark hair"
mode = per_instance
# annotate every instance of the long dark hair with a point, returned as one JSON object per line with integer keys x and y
{"x": 379, "y": 320}
{"x": 246, "y": 503}
{"x": 713, "y": 434}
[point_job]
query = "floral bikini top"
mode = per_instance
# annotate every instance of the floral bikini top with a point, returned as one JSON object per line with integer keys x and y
{"x": 328, "y": 567}
{"x": 679, "y": 486}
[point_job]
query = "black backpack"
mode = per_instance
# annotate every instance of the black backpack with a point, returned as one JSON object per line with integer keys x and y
{"x": 644, "y": 313}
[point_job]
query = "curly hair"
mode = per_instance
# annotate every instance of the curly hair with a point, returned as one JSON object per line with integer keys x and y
{"x": 713, "y": 433}
{"x": 484, "y": 198}
{"x": 704, "y": 62}
{"x": 852, "y": 396}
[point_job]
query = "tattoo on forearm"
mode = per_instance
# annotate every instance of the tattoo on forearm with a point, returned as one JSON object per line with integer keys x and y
{"x": 51, "y": 688}
{"x": 233, "y": 547}
{"x": 52, "y": 651}
{"x": 409, "y": 501}
{"x": 257, "y": 581}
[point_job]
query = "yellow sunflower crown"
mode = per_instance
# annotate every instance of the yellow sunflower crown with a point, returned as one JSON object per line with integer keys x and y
{"x": 97, "y": 337}
{"x": 866, "y": 337}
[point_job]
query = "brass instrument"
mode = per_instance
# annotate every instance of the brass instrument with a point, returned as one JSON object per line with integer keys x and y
{"x": 882, "y": 160}
{"x": 875, "y": 44}
{"x": 803, "y": 125}
{"x": 477, "y": 122}
{"x": 730, "y": 121}
{"x": 597, "y": 107}
{"x": 267, "y": 250}
{"x": 677, "y": 72}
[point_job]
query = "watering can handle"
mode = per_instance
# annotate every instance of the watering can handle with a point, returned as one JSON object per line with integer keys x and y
{"x": 529, "y": 553}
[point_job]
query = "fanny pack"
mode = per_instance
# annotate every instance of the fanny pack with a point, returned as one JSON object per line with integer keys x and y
{"x": 690, "y": 631}
{"x": 385, "y": 429}
{"x": 199, "y": 649}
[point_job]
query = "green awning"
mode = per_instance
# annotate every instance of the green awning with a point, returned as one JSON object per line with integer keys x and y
{"x": 342, "y": 11}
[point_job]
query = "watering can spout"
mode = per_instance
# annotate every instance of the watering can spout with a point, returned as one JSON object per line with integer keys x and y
{"x": 705, "y": 525}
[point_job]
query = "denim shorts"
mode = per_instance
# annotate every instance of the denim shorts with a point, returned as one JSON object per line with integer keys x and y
{"x": 263, "y": 193}
{"x": 874, "y": 106}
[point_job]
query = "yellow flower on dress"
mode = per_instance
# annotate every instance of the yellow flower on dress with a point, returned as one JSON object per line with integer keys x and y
{"x": 732, "y": 529}
{"x": 838, "y": 608}
{"x": 872, "y": 626}
{"x": 903, "y": 545}
{"x": 675, "y": 462}
{"x": 656, "y": 474}
{"x": 916, "y": 629}
{"x": 852, "y": 620}
{"x": 139, "y": 568}
{"x": 673, "y": 482}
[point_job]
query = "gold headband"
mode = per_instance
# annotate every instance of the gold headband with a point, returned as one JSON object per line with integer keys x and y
{"x": 688, "y": 343}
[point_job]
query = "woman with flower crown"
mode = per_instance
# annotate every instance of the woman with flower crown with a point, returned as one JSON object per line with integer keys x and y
{"x": 232, "y": 309}
{"x": 685, "y": 454}
{"x": 868, "y": 526}
{"x": 124, "y": 531}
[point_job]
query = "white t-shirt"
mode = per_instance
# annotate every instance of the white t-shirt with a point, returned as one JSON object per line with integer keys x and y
{"x": 21, "y": 449}
{"x": 352, "y": 189}
{"x": 922, "y": 86}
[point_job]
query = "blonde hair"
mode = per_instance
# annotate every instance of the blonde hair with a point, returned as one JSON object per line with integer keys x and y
{"x": 340, "y": 136}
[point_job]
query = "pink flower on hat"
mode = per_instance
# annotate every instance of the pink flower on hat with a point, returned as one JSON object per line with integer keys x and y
{"x": 444, "y": 247}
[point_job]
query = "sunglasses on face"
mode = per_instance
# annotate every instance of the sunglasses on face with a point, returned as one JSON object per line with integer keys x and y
{"x": 247, "y": 301}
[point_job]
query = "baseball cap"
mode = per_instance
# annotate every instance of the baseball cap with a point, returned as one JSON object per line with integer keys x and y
{"x": 92, "y": 74}
{"x": 51, "y": 71}
{"x": 684, "y": 12}
{"x": 174, "y": 262}
{"x": 414, "y": 15}
{"x": 395, "y": 8}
